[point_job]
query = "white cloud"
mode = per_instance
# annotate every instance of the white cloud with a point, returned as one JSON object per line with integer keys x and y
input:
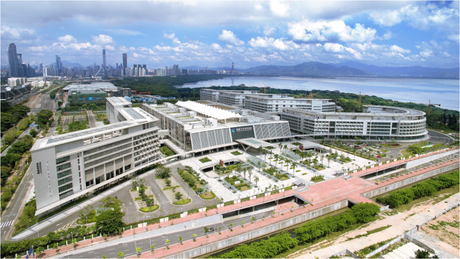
{"x": 102, "y": 39}
{"x": 279, "y": 8}
{"x": 454, "y": 37}
{"x": 67, "y": 38}
{"x": 269, "y": 31}
{"x": 333, "y": 47}
{"x": 169, "y": 36}
{"x": 230, "y": 38}
{"x": 9, "y": 33}
{"x": 330, "y": 31}
{"x": 399, "y": 49}
{"x": 426, "y": 53}
{"x": 387, "y": 35}
{"x": 216, "y": 46}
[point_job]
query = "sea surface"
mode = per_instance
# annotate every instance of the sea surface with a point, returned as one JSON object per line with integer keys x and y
{"x": 439, "y": 91}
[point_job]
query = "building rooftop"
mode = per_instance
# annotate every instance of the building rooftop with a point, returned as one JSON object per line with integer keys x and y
{"x": 373, "y": 110}
{"x": 118, "y": 101}
{"x": 209, "y": 111}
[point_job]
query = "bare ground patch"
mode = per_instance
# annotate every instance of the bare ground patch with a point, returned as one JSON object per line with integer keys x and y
{"x": 445, "y": 228}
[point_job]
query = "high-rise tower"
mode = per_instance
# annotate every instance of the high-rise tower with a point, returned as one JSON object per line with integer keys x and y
{"x": 125, "y": 63}
{"x": 104, "y": 63}
{"x": 58, "y": 65}
{"x": 13, "y": 60}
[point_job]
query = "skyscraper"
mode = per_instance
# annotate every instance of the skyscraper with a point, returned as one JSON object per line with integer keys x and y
{"x": 125, "y": 63}
{"x": 58, "y": 65}
{"x": 13, "y": 60}
{"x": 104, "y": 63}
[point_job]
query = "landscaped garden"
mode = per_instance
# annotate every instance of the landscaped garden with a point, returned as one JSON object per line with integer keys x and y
{"x": 193, "y": 179}
{"x": 143, "y": 196}
{"x": 276, "y": 173}
{"x": 317, "y": 178}
{"x": 236, "y": 153}
{"x": 171, "y": 187}
{"x": 205, "y": 160}
{"x": 238, "y": 183}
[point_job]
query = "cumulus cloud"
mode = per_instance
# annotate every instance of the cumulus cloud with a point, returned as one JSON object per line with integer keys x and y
{"x": 419, "y": 15}
{"x": 169, "y": 36}
{"x": 230, "y": 38}
{"x": 399, "y": 49}
{"x": 330, "y": 31}
{"x": 102, "y": 39}
{"x": 9, "y": 33}
{"x": 279, "y": 8}
{"x": 67, "y": 38}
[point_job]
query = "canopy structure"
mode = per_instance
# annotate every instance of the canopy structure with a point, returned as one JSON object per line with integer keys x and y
{"x": 208, "y": 111}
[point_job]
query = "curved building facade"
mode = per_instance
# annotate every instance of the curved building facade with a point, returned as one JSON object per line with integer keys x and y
{"x": 375, "y": 122}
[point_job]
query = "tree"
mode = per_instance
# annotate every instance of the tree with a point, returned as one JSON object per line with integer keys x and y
{"x": 112, "y": 202}
{"x": 180, "y": 240}
{"x": 138, "y": 250}
{"x": 231, "y": 225}
{"x": 178, "y": 195}
{"x": 110, "y": 221}
{"x": 256, "y": 180}
{"x": 167, "y": 243}
{"x": 163, "y": 172}
{"x": 152, "y": 248}
{"x": 168, "y": 182}
{"x": 33, "y": 133}
{"x": 10, "y": 136}
{"x": 120, "y": 254}
{"x": 194, "y": 237}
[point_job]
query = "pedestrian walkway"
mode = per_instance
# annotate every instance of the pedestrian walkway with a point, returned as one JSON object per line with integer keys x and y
{"x": 6, "y": 224}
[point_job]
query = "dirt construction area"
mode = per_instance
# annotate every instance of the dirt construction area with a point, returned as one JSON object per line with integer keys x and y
{"x": 400, "y": 222}
{"x": 445, "y": 228}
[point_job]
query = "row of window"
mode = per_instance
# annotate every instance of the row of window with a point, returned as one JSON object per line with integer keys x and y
{"x": 104, "y": 160}
{"x": 62, "y": 167}
{"x": 112, "y": 150}
{"x": 108, "y": 146}
{"x": 62, "y": 160}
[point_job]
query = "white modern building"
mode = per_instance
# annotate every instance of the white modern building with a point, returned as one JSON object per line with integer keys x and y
{"x": 197, "y": 127}
{"x": 71, "y": 165}
{"x": 265, "y": 102}
{"x": 276, "y": 103}
{"x": 375, "y": 122}
{"x": 113, "y": 105}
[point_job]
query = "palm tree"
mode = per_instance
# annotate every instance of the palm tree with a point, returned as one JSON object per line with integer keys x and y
{"x": 256, "y": 179}
{"x": 280, "y": 145}
{"x": 180, "y": 240}
{"x": 250, "y": 174}
{"x": 294, "y": 164}
{"x": 167, "y": 243}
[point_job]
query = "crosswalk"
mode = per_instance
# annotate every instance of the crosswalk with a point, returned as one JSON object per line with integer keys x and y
{"x": 6, "y": 224}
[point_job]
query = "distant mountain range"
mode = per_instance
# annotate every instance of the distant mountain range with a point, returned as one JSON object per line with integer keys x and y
{"x": 351, "y": 68}
{"x": 70, "y": 65}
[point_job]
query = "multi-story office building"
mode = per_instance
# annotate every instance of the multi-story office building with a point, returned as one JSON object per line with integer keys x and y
{"x": 13, "y": 60}
{"x": 68, "y": 166}
{"x": 376, "y": 122}
{"x": 113, "y": 106}
{"x": 276, "y": 102}
{"x": 265, "y": 102}
{"x": 198, "y": 127}
{"x": 104, "y": 64}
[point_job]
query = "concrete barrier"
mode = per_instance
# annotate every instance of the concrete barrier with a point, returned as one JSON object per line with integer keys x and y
{"x": 209, "y": 248}
{"x": 410, "y": 180}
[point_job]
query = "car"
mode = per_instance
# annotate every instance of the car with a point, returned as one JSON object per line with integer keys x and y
{"x": 379, "y": 157}
{"x": 210, "y": 229}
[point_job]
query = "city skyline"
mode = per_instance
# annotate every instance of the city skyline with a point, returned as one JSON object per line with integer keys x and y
{"x": 249, "y": 33}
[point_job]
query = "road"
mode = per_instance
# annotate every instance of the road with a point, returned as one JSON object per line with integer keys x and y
{"x": 24, "y": 133}
{"x": 131, "y": 212}
{"x": 18, "y": 200}
{"x": 129, "y": 247}
{"x": 92, "y": 120}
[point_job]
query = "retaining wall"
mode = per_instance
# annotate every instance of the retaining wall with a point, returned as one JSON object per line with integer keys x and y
{"x": 393, "y": 186}
{"x": 259, "y": 232}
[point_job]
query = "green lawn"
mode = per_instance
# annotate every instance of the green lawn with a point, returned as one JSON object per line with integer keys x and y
{"x": 182, "y": 202}
{"x": 150, "y": 209}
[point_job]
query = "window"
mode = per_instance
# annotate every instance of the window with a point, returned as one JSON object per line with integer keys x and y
{"x": 65, "y": 187}
{"x": 65, "y": 180}
{"x": 65, "y": 173}
{"x": 39, "y": 168}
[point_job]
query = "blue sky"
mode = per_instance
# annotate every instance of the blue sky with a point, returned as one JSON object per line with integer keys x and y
{"x": 248, "y": 33}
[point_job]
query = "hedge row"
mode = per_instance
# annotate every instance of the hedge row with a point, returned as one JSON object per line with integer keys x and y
{"x": 427, "y": 188}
